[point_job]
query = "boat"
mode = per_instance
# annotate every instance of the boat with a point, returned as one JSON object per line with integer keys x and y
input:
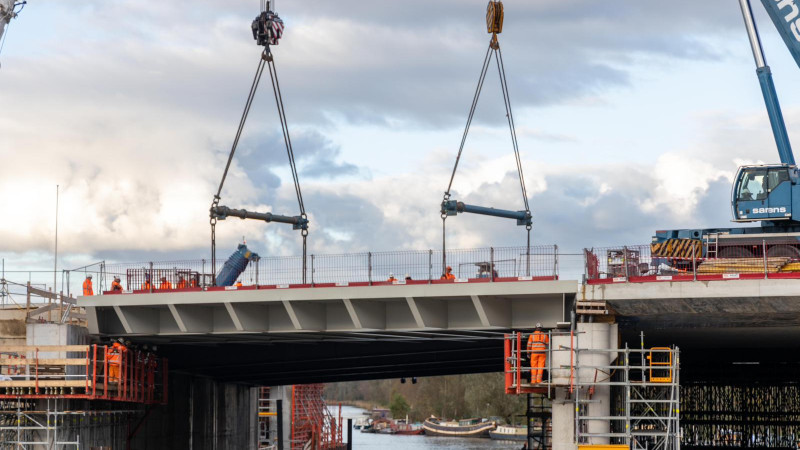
{"x": 463, "y": 427}
{"x": 406, "y": 429}
{"x": 361, "y": 423}
{"x": 510, "y": 433}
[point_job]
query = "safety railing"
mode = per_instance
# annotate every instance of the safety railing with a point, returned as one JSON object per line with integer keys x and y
{"x": 640, "y": 263}
{"x": 367, "y": 268}
{"x": 82, "y": 372}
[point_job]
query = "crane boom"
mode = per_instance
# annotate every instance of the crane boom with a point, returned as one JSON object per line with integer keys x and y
{"x": 765, "y": 77}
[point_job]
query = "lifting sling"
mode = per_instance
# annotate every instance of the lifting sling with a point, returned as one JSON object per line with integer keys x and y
{"x": 267, "y": 30}
{"x": 494, "y": 26}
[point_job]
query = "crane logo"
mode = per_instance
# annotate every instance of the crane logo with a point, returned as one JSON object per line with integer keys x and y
{"x": 794, "y": 11}
{"x": 781, "y": 209}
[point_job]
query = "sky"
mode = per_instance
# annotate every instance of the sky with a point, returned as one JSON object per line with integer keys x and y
{"x": 631, "y": 117}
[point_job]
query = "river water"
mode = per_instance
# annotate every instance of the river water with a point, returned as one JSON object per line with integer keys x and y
{"x": 364, "y": 441}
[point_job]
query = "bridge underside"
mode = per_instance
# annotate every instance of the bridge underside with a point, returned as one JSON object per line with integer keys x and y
{"x": 285, "y": 359}
{"x": 308, "y": 335}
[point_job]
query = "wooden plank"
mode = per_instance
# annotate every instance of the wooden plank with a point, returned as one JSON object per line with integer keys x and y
{"x": 69, "y": 300}
{"x": 45, "y": 348}
{"x": 42, "y": 293}
{"x": 44, "y": 383}
{"x": 43, "y": 362}
{"x": 43, "y": 309}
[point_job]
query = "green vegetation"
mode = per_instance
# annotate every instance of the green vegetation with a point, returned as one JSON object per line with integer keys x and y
{"x": 399, "y": 407}
{"x": 456, "y": 396}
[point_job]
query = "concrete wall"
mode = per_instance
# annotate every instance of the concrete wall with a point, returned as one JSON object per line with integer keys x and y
{"x": 12, "y": 327}
{"x": 201, "y": 415}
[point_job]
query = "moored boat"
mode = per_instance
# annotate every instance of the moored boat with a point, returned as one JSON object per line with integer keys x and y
{"x": 463, "y": 428}
{"x": 406, "y": 429}
{"x": 509, "y": 433}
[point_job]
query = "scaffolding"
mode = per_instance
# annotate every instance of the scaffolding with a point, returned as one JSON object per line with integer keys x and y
{"x": 643, "y": 384}
{"x": 313, "y": 425}
{"x": 44, "y": 389}
{"x": 268, "y": 422}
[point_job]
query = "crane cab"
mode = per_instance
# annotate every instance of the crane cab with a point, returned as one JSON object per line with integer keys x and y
{"x": 765, "y": 192}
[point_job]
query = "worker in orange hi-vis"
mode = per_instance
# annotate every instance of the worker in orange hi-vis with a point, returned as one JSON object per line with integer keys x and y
{"x": 391, "y": 278}
{"x": 87, "y": 285}
{"x": 195, "y": 282}
{"x": 164, "y": 284}
{"x": 238, "y": 284}
{"x": 116, "y": 286}
{"x": 537, "y": 346}
{"x": 114, "y": 355}
{"x": 448, "y": 274}
{"x": 181, "y": 282}
{"x": 146, "y": 285}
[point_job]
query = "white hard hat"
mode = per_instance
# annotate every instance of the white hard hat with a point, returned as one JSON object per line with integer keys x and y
{"x": 391, "y": 274}
{"x": 89, "y": 276}
{"x": 538, "y": 325}
{"x": 408, "y": 276}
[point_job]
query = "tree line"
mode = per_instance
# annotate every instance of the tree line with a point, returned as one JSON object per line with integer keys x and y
{"x": 449, "y": 397}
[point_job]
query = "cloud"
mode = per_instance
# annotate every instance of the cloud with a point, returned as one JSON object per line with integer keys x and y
{"x": 132, "y": 107}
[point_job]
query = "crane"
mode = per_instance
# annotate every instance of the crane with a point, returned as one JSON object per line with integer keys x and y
{"x": 267, "y": 30}
{"x": 494, "y": 26}
{"x": 766, "y": 193}
{"x": 9, "y": 9}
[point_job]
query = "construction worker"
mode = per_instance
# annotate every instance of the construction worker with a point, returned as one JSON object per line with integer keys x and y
{"x": 116, "y": 286}
{"x": 391, "y": 279}
{"x": 448, "y": 274}
{"x": 114, "y": 355}
{"x": 87, "y": 285}
{"x": 195, "y": 281}
{"x": 164, "y": 284}
{"x": 408, "y": 277}
{"x": 181, "y": 282}
{"x": 146, "y": 286}
{"x": 537, "y": 347}
{"x": 238, "y": 283}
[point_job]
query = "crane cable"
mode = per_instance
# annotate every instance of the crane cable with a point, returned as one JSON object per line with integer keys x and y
{"x": 495, "y": 7}
{"x": 267, "y": 60}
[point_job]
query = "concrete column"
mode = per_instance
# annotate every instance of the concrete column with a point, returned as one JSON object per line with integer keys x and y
{"x": 563, "y": 422}
{"x": 284, "y": 393}
{"x": 588, "y": 336}
{"x": 597, "y": 336}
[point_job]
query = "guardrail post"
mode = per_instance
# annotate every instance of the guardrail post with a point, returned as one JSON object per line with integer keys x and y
{"x": 256, "y": 262}
{"x": 430, "y": 266}
{"x": 491, "y": 264}
{"x": 369, "y": 267}
{"x": 202, "y": 280}
{"x": 555, "y": 261}
{"x": 764, "y": 251}
{"x": 625, "y": 262}
{"x": 312, "y": 269}
{"x": 152, "y": 281}
{"x": 694, "y": 265}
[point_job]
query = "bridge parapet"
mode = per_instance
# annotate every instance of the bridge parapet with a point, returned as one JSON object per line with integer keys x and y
{"x": 370, "y": 268}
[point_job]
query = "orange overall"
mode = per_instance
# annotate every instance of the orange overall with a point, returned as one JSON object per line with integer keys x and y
{"x": 537, "y": 346}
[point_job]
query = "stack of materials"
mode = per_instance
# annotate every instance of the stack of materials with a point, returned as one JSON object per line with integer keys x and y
{"x": 745, "y": 265}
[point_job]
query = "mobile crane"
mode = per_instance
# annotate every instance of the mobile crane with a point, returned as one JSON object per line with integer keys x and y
{"x": 768, "y": 193}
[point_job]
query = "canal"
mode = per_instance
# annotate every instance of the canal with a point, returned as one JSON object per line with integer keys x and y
{"x": 364, "y": 441}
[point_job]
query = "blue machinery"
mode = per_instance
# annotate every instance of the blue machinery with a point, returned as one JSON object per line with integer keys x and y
{"x": 494, "y": 26}
{"x": 767, "y": 193}
{"x": 235, "y": 265}
{"x": 267, "y": 30}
